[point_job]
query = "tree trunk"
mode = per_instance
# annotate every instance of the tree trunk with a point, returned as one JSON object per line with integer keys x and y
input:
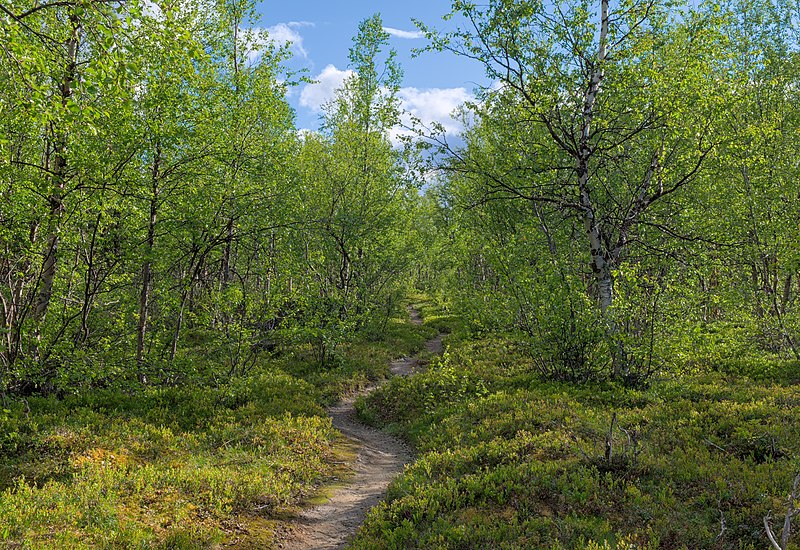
{"x": 58, "y": 181}
{"x": 178, "y": 326}
{"x": 601, "y": 261}
{"x": 90, "y": 283}
{"x": 226, "y": 257}
{"x": 147, "y": 269}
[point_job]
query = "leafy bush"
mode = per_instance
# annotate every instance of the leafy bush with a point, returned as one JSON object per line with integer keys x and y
{"x": 509, "y": 461}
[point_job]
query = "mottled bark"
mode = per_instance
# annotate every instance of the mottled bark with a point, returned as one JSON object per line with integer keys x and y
{"x": 602, "y": 261}
{"x": 599, "y": 259}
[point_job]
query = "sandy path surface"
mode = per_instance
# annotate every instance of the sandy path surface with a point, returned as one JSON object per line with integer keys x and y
{"x": 380, "y": 457}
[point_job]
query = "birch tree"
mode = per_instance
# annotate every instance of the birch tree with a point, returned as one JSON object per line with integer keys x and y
{"x": 759, "y": 167}
{"x": 61, "y": 62}
{"x": 610, "y": 113}
{"x": 358, "y": 194}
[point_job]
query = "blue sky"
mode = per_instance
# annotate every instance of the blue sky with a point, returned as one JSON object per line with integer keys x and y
{"x": 321, "y": 33}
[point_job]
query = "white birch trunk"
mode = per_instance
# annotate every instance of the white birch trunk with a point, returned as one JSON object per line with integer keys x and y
{"x": 57, "y": 177}
{"x": 600, "y": 261}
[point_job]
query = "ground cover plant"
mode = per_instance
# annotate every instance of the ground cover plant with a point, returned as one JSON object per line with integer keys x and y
{"x": 509, "y": 460}
{"x": 185, "y": 466}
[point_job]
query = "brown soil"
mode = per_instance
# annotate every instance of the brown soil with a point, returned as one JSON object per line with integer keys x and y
{"x": 379, "y": 458}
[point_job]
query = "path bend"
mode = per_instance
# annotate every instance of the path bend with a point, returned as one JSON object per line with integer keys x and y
{"x": 379, "y": 459}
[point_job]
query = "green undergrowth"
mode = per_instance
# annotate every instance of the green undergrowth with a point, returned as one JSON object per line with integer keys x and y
{"x": 734, "y": 348}
{"x": 361, "y": 363}
{"x": 435, "y": 318}
{"x": 194, "y": 466}
{"x": 167, "y": 467}
{"x": 509, "y": 461}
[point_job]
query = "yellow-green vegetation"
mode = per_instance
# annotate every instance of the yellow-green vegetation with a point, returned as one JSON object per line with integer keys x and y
{"x": 363, "y": 360}
{"x": 180, "y": 467}
{"x": 510, "y": 461}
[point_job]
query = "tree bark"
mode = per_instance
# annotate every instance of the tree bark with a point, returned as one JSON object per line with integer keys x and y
{"x": 58, "y": 180}
{"x": 147, "y": 268}
{"x": 90, "y": 283}
{"x": 173, "y": 351}
{"x": 601, "y": 260}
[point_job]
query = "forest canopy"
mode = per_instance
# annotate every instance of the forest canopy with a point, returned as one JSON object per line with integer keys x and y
{"x": 636, "y": 163}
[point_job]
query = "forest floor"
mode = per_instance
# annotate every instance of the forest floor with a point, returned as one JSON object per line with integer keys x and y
{"x": 379, "y": 458}
{"x": 506, "y": 458}
{"x": 206, "y": 465}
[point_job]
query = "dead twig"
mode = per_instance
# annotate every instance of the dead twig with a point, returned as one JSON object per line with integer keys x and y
{"x": 610, "y": 439}
{"x": 709, "y": 442}
{"x": 792, "y": 510}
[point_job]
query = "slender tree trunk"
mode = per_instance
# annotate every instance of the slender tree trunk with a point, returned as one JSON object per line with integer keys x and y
{"x": 229, "y": 228}
{"x": 271, "y": 269}
{"x": 147, "y": 268}
{"x": 551, "y": 243}
{"x": 600, "y": 265}
{"x": 178, "y": 326}
{"x": 7, "y": 330}
{"x": 58, "y": 180}
{"x": 90, "y": 285}
{"x": 787, "y": 293}
{"x": 601, "y": 261}
{"x": 226, "y": 257}
{"x": 14, "y": 309}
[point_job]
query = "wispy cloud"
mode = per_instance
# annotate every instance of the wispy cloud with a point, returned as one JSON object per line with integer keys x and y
{"x": 286, "y": 33}
{"x": 314, "y": 96}
{"x": 409, "y": 35}
{"x": 300, "y": 24}
{"x": 279, "y": 35}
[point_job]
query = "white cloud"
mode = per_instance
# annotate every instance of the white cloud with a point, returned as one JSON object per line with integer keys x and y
{"x": 429, "y": 106}
{"x": 303, "y": 133}
{"x": 314, "y": 96}
{"x": 279, "y": 35}
{"x": 285, "y": 33}
{"x": 435, "y": 105}
{"x": 410, "y": 35}
{"x": 151, "y": 9}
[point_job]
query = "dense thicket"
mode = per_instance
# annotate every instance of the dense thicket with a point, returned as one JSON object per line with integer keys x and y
{"x": 156, "y": 195}
{"x": 627, "y": 188}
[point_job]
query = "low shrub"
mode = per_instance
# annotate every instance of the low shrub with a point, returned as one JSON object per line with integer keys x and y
{"x": 510, "y": 461}
{"x": 167, "y": 467}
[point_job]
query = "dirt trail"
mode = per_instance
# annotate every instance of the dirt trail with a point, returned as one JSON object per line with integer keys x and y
{"x": 380, "y": 457}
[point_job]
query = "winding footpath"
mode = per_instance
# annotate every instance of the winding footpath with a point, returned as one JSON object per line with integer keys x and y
{"x": 379, "y": 459}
